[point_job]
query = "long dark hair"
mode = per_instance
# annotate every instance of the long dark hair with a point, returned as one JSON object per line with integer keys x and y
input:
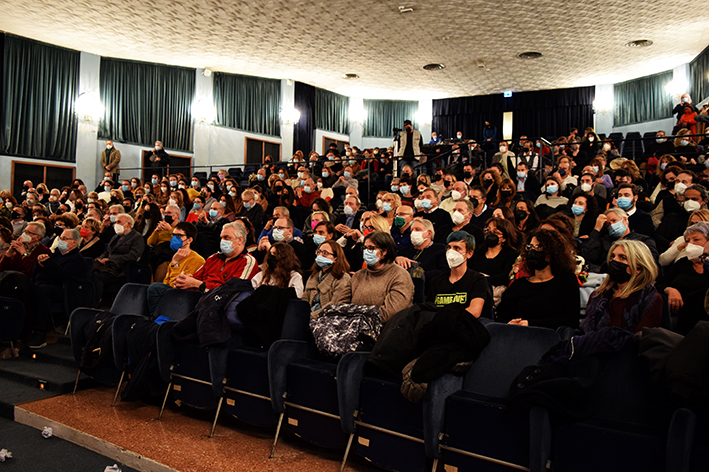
{"x": 286, "y": 262}
{"x": 557, "y": 249}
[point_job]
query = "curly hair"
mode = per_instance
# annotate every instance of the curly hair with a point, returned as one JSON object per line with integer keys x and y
{"x": 508, "y": 230}
{"x": 286, "y": 262}
{"x": 556, "y": 247}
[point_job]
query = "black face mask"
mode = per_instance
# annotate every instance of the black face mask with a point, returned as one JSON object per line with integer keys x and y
{"x": 15, "y": 215}
{"x": 467, "y": 175}
{"x": 271, "y": 261}
{"x": 520, "y": 215}
{"x": 536, "y": 260}
{"x": 58, "y": 230}
{"x": 169, "y": 219}
{"x": 506, "y": 194}
{"x": 127, "y": 208}
{"x": 475, "y": 202}
{"x": 79, "y": 205}
{"x": 447, "y": 183}
{"x": 491, "y": 240}
{"x": 618, "y": 272}
{"x": 437, "y": 177}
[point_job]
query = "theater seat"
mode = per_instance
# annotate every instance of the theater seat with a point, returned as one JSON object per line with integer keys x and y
{"x": 12, "y": 319}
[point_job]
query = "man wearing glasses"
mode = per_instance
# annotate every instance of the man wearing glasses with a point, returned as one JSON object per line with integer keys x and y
{"x": 185, "y": 261}
{"x": 24, "y": 251}
{"x": 283, "y": 232}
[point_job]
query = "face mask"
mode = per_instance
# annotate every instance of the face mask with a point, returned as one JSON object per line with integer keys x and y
{"x": 181, "y": 186}
{"x": 539, "y": 145}
{"x": 625, "y": 203}
{"x": 663, "y": 166}
{"x": 352, "y": 162}
{"x": 228, "y": 187}
{"x": 172, "y": 202}
{"x": 691, "y": 205}
{"x": 456, "y": 195}
{"x": 154, "y": 181}
{"x": 491, "y": 240}
{"x": 278, "y": 235}
{"x": 379, "y": 203}
{"x": 247, "y": 205}
{"x": 417, "y": 204}
{"x": 8, "y": 205}
{"x": 300, "y": 175}
{"x": 213, "y": 214}
{"x": 106, "y": 188}
{"x": 506, "y": 193}
{"x": 591, "y": 139}
{"x": 458, "y": 217}
{"x": 26, "y": 238}
{"x": 307, "y": 189}
{"x": 437, "y": 177}
{"x": 318, "y": 239}
{"x": 693, "y": 251}
{"x": 536, "y": 260}
{"x": 113, "y": 218}
{"x": 324, "y": 174}
{"x": 460, "y": 136}
{"x": 175, "y": 243}
{"x": 163, "y": 189}
{"x": 169, "y": 219}
{"x": 197, "y": 206}
{"x": 520, "y": 215}
{"x": 684, "y": 142}
{"x": 394, "y": 188}
{"x": 586, "y": 187}
{"x": 417, "y": 238}
{"x": 63, "y": 246}
{"x": 399, "y": 221}
{"x": 210, "y": 187}
{"x": 283, "y": 176}
{"x": 618, "y": 272}
{"x": 134, "y": 184}
{"x": 225, "y": 247}
{"x": 58, "y": 230}
{"x": 660, "y": 140}
{"x": 109, "y": 147}
{"x": 447, "y": 183}
{"x": 551, "y": 190}
{"x": 467, "y": 175}
{"x": 680, "y": 188}
{"x": 370, "y": 257}
{"x": 386, "y": 207}
{"x": 232, "y": 194}
{"x": 119, "y": 229}
{"x": 617, "y": 229}
{"x": 521, "y": 175}
{"x": 577, "y": 210}
{"x": 323, "y": 262}
{"x": 157, "y": 148}
{"x": 125, "y": 188}
{"x": 685, "y": 99}
{"x": 84, "y": 232}
{"x": 173, "y": 183}
{"x": 503, "y": 148}
{"x": 348, "y": 153}
{"x": 259, "y": 177}
{"x": 454, "y": 258}
{"x": 426, "y": 204}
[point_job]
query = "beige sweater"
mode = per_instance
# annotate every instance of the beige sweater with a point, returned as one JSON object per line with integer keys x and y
{"x": 390, "y": 288}
{"x": 332, "y": 291}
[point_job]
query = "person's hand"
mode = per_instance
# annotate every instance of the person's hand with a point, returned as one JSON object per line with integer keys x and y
{"x": 269, "y": 224}
{"x": 102, "y": 261}
{"x": 344, "y": 229}
{"x": 557, "y": 175}
{"x": 180, "y": 254}
{"x": 355, "y": 234}
{"x": 264, "y": 244}
{"x": 600, "y": 222}
{"x": 342, "y": 178}
{"x": 17, "y": 246}
{"x": 299, "y": 192}
{"x": 163, "y": 226}
{"x": 404, "y": 262}
{"x": 682, "y": 158}
{"x": 202, "y": 216}
{"x": 681, "y": 245}
{"x": 41, "y": 258}
{"x": 675, "y": 299}
{"x": 186, "y": 282}
{"x": 585, "y": 236}
{"x": 692, "y": 161}
{"x": 107, "y": 168}
{"x": 519, "y": 322}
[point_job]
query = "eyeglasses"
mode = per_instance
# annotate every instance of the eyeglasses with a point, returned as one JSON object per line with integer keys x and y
{"x": 321, "y": 252}
{"x": 181, "y": 236}
{"x": 703, "y": 258}
{"x": 369, "y": 248}
{"x": 31, "y": 233}
{"x": 533, "y": 247}
{"x": 281, "y": 228}
{"x": 368, "y": 227}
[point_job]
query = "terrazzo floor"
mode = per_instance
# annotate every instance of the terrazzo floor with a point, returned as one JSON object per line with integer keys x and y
{"x": 180, "y": 440}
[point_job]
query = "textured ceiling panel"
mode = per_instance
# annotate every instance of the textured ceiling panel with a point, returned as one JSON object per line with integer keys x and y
{"x": 583, "y": 41}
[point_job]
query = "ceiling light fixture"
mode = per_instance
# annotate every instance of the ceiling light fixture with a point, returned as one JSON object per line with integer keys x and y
{"x": 207, "y": 72}
{"x": 639, "y": 43}
{"x": 405, "y": 9}
{"x": 350, "y": 76}
{"x": 434, "y": 66}
{"x": 530, "y": 55}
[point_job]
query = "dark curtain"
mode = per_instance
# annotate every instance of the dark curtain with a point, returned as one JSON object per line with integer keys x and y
{"x": 550, "y": 113}
{"x": 146, "y": 102}
{"x": 643, "y": 99}
{"x": 467, "y": 115}
{"x": 303, "y": 131}
{"x": 248, "y": 103}
{"x": 385, "y": 115}
{"x": 699, "y": 76}
{"x": 332, "y": 111}
{"x": 40, "y": 84}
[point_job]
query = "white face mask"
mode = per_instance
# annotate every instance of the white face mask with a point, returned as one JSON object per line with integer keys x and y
{"x": 586, "y": 187}
{"x": 417, "y": 238}
{"x": 454, "y": 258}
{"x": 458, "y": 217}
{"x": 693, "y": 251}
{"x": 680, "y": 188}
{"x": 456, "y": 195}
{"x": 606, "y": 147}
{"x": 25, "y": 238}
{"x": 691, "y": 205}
{"x": 119, "y": 229}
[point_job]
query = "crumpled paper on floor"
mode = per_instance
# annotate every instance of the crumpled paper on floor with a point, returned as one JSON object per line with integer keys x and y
{"x": 112, "y": 468}
{"x": 47, "y": 432}
{"x": 5, "y": 454}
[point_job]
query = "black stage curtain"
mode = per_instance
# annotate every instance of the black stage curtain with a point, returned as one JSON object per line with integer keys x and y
{"x": 551, "y": 113}
{"x": 305, "y": 128}
{"x": 468, "y": 115}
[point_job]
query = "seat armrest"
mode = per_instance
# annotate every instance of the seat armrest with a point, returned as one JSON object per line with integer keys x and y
{"x": 350, "y": 370}
{"x": 280, "y": 355}
{"x": 434, "y": 405}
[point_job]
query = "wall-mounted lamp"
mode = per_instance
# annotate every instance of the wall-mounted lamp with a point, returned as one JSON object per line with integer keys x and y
{"x": 290, "y": 116}
{"x": 88, "y": 107}
{"x": 677, "y": 87}
{"x": 602, "y": 106}
{"x": 203, "y": 111}
{"x": 358, "y": 114}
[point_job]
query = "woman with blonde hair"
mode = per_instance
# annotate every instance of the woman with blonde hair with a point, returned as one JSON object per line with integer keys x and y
{"x": 677, "y": 248}
{"x": 390, "y": 202}
{"x": 627, "y": 298}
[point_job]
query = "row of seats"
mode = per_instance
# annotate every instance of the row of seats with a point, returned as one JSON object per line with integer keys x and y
{"x": 463, "y": 421}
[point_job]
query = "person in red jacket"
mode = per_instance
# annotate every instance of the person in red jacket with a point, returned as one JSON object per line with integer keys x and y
{"x": 232, "y": 261}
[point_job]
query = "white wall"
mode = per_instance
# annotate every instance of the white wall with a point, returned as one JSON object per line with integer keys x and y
{"x": 319, "y": 134}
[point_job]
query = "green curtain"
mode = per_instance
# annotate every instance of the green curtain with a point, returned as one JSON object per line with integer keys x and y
{"x": 643, "y": 99}
{"x": 385, "y": 115}
{"x": 40, "y": 84}
{"x": 699, "y": 73}
{"x": 332, "y": 111}
{"x": 146, "y": 102}
{"x": 248, "y": 103}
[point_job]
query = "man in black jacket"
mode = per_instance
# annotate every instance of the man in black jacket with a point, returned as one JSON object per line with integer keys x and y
{"x": 639, "y": 221}
{"x": 159, "y": 158}
{"x": 527, "y": 185}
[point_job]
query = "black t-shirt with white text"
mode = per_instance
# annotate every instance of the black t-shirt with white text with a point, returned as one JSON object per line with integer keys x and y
{"x": 442, "y": 292}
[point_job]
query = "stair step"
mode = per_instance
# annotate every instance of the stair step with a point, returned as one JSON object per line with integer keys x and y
{"x": 58, "y": 354}
{"x": 41, "y": 375}
{"x": 14, "y": 393}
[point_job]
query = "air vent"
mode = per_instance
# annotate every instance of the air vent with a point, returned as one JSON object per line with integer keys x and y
{"x": 350, "y": 76}
{"x": 434, "y": 66}
{"x": 530, "y": 55}
{"x": 639, "y": 43}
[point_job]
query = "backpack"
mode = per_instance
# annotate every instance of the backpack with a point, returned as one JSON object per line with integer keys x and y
{"x": 98, "y": 350}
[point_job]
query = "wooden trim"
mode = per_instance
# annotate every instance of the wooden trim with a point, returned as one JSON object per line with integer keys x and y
{"x": 44, "y": 173}
{"x": 263, "y": 148}
{"x": 337, "y": 141}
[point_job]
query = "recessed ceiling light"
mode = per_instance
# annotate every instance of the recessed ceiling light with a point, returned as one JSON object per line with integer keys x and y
{"x": 639, "y": 43}
{"x": 434, "y": 66}
{"x": 530, "y": 55}
{"x": 350, "y": 76}
{"x": 405, "y": 9}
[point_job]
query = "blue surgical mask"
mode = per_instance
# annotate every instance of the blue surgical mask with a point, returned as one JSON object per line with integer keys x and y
{"x": 663, "y": 166}
{"x": 307, "y": 189}
{"x": 106, "y": 188}
{"x": 247, "y": 206}
{"x": 625, "y": 203}
{"x": 386, "y": 207}
{"x": 213, "y": 213}
{"x": 595, "y": 169}
{"x": 210, "y": 187}
{"x": 426, "y": 204}
{"x": 394, "y": 188}
{"x": 318, "y": 239}
{"x": 154, "y": 181}
{"x": 577, "y": 210}
{"x": 232, "y": 194}
{"x": 113, "y": 218}
{"x": 683, "y": 142}
{"x": 278, "y": 235}
{"x": 197, "y": 206}
{"x": 521, "y": 175}
{"x": 326, "y": 174}
{"x": 63, "y": 246}
{"x": 173, "y": 183}
{"x": 195, "y": 183}
{"x": 617, "y": 229}
{"x": 175, "y": 243}
{"x": 404, "y": 189}
{"x": 225, "y": 247}
{"x": 347, "y": 174}
{"x": 125, "y": 188}
{"x": 370, "y": 257}
{"x": 660, "y": 140}
{"x": 323, "y": 262}
{"x": 259, "y": 177}
{"x": 552, "y": 189}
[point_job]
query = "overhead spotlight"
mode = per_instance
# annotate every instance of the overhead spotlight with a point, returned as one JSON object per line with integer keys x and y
{"x": 530, "y": 55}
{"x": 434, "y": 66}
{"x": 207, "y": 72}
{"x": 639, "y": 43}
{"x": 350, "y": 76}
